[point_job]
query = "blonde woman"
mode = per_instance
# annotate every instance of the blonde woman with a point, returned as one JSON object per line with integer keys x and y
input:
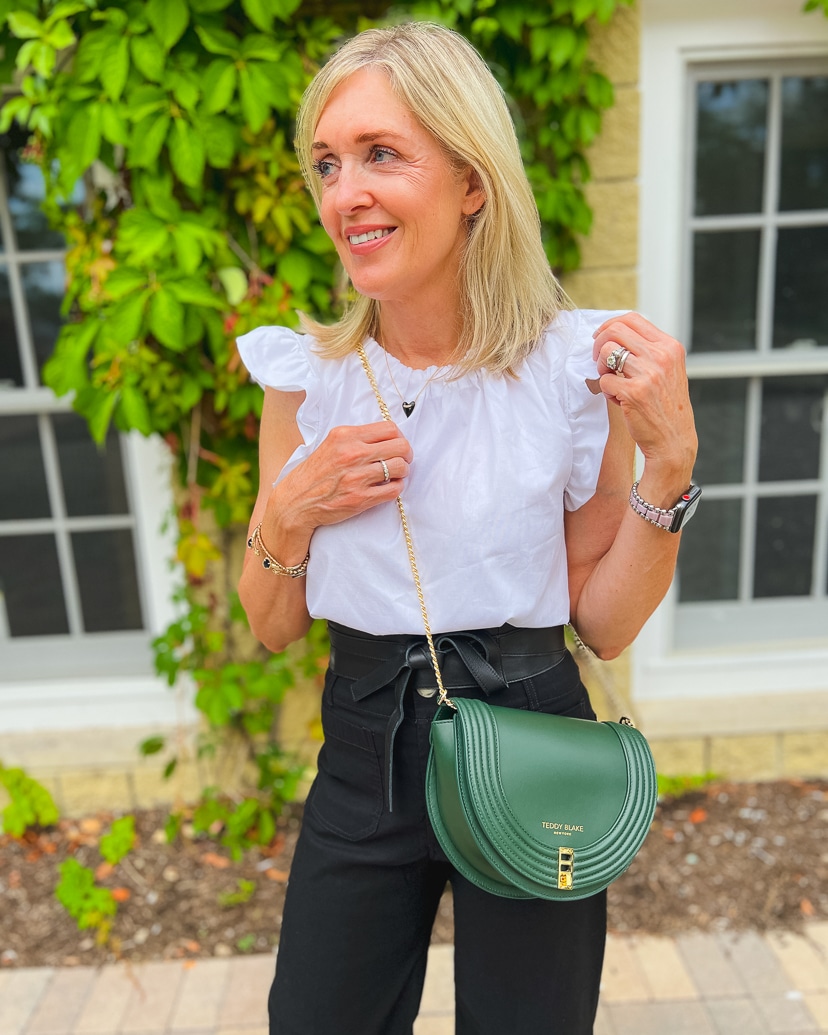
{"x": 514, "y": 424}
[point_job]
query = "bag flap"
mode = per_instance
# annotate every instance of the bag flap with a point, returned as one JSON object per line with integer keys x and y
{"x": 556, "y": 778}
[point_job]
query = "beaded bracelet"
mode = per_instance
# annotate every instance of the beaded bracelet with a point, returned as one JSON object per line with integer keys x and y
{"x": 293, "y": 571}
{"x": 661, "y": 517}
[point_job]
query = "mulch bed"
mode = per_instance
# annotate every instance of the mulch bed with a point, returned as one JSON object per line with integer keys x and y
{"x": 730, "y": 857}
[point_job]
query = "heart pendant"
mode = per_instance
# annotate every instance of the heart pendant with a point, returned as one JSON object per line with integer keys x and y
{"x": 408, "y": 408}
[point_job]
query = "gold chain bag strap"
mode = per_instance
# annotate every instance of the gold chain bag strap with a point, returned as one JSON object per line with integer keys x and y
{"x": 525, "y": 804}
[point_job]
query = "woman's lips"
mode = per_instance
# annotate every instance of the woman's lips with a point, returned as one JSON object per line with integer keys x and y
{"x": 365, "y": 239}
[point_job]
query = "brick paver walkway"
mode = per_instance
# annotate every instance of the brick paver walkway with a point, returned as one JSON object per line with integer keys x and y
{"x": 696, "y": 984}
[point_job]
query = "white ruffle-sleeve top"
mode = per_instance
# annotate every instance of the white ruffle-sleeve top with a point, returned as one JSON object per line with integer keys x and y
{"x": 496, "y": 462}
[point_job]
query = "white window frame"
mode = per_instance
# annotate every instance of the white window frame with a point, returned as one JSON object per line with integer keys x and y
{"x": 82, "y": 679}
{"x": 725, "y": 623}
{"x": 672, "y": 685}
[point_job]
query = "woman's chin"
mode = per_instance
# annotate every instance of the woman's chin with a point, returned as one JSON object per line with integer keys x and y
{"x": 370, "y": 287}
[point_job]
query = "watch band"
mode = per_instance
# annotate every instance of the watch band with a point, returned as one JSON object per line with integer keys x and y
{"x": 670, "y": 519}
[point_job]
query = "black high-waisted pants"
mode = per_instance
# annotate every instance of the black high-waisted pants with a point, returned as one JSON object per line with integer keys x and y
{"x": 366, "y": 882}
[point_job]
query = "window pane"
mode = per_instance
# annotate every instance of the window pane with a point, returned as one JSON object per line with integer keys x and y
{"x": 11, "y": 374}
{"x": 23, "y": 492}
{"x": 730, "y": 146}
{"x": 800, "y": 313}
{"x": 804, "y": 174}
{"x": 43, "y": 284}
{"x": 784, "y": 546}
{"x": 793, "y": 409}
{"x": 720, "y": 408}
{"x": 25, "y": 186}
{"x": 31, "y": 589}
{"x": 93, "y": 478}
{"x": 709, "y": 552}
{"x": 725, "y": 277}
{"x": 105, "y": 564}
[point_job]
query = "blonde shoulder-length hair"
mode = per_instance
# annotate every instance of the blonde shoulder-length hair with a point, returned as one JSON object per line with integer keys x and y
{"x": 509, "y": 294}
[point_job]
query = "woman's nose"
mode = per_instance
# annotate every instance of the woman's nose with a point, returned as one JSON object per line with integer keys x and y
{"x": 351, "y": 189}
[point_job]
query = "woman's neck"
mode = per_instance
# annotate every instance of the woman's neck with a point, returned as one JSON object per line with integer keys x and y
{"x": 420, "y": 339}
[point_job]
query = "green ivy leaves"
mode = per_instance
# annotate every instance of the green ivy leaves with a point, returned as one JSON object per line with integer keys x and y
{"x": 30, "y": 803}
{"x": 169, "y": 19}
{"x": 119, "y": 841}
{"x": 43, "y": 39}
{"x": 87, "y": 903}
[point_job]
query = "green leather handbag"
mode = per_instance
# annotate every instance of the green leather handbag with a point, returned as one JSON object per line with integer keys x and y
{"x": 530, "y": 805}
{"x": 525, "y": 804}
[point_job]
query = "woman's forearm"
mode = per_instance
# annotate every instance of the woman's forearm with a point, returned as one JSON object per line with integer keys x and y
{"x": 276, "y": 604}
{"x": 630, "y": 580}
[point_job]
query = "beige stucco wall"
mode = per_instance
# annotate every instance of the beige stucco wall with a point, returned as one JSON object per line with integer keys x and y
{"x": 607, "y": 277}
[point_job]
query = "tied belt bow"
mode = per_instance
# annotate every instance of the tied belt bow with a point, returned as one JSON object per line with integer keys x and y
{"x": 480, "y": 657}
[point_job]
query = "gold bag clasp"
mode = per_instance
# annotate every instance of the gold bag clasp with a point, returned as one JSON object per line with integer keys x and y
{"x": 566, "y": 864}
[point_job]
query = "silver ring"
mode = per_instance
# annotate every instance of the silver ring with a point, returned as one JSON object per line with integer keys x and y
{"x": 386, "y": 474}
{"x": 617, "y": 358}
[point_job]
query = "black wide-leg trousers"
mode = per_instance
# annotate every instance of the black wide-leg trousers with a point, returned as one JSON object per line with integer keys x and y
{"x": 366, "y": 882}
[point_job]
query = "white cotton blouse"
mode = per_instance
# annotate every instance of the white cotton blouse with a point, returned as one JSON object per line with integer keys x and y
{"x": 496, "y": 462}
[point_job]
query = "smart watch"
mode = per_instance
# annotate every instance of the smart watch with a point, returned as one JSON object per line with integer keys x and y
{"x": 672, "y": 519}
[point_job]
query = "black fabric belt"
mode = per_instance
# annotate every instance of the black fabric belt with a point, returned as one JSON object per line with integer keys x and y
{"x": 486, "y": 658}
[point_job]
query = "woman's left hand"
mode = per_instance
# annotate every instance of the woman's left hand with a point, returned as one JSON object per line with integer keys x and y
{"x": 651, "y": 389}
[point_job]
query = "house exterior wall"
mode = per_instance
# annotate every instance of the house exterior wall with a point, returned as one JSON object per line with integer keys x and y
{"x": 759, "y": 732}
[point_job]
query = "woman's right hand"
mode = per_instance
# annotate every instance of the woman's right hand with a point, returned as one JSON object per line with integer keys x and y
{"x": 344, "y": 476}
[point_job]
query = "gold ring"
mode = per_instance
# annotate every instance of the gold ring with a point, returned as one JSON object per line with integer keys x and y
{"x": 386, "y": 474}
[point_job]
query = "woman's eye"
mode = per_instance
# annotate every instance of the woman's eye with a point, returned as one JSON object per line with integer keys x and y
{"x": 383, "y": 154}
{"x": 323, "y": 168}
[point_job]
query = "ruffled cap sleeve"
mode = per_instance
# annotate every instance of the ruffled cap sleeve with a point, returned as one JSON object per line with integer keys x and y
{"x": 277, "y": 357}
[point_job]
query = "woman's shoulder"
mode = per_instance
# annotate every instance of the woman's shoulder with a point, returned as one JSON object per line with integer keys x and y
{"x": 279, "y": 357}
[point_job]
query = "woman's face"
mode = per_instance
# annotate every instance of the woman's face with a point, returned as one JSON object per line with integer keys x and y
{"x": 391, "y": 201}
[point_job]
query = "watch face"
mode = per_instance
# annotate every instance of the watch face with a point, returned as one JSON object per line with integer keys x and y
{"x": 686, "y": 507}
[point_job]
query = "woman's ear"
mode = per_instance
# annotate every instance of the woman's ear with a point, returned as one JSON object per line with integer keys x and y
{"x": 475, "y": 197}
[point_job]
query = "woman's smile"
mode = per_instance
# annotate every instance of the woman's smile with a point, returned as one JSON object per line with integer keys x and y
{"x": 364, "y": 240}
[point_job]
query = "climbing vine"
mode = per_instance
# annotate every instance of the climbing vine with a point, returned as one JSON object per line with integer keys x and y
{"x": 196, "y": 227}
